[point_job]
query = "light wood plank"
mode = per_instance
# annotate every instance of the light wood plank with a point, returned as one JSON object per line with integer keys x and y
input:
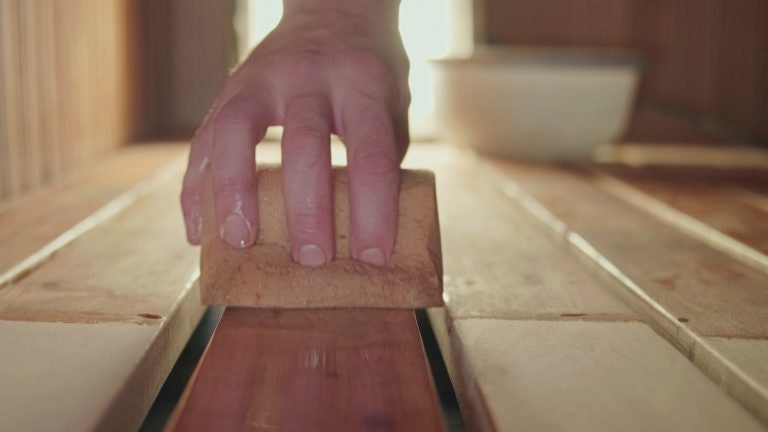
{"x": 716, "y": 206}
{"x": 319, "y": 370}
{"x": 690, "y": 291}
{"x": 498, "y": 264}
{"x": 122, "y": 294}
{"x": 129, "y": 269}
{"x": 675, "y": 154}
{"x": 585, "y": 376}
{"x": 33, "y": 228}
{"x": 88, "y": 376}
{"x": 508, "y": 286}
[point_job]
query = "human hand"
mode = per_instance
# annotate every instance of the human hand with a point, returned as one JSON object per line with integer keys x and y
{"x": 333, "y": 66}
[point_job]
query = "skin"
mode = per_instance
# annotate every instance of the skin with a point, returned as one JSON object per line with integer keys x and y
{"x": 330, "y": 67}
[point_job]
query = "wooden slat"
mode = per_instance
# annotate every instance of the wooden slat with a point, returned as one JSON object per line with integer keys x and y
{"x": 587, "y": 376}
{"x": 128, "y": 269}
{"x": 693, "y": 294}
{"x": 533, "y": 342}
{"x": 318, "y": 370}
{"x": 11, "y": 145}
{"x": 720, "y": 208}
{"x": 5, "y": 175}
{"x": 64, "y": 88}
{"x": 676, "y": 154}
{"x": 91, "y": 334}
{"x": 33, "y": 228}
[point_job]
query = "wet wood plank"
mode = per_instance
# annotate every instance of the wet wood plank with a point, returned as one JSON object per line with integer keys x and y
{"x": 321, "y": 370}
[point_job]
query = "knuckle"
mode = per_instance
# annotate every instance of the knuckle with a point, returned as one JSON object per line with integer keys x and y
{"x": 308, "y": 61}
{"x": 189, "y": 196}
{"x": 307, "y": 221}
{"x": 234, "y": 113}
{"x": 369, "y": 66}
{"x": 227, "y": 190}
{"x": 375, "y": 119}
{"x": 377, "y": 162}
{"x": 301, "y": 134}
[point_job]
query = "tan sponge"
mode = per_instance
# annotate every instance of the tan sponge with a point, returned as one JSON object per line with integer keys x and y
{"x": 266, "y": 276}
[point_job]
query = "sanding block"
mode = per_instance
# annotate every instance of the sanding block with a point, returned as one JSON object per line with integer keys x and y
{"x": 265, "y": 276}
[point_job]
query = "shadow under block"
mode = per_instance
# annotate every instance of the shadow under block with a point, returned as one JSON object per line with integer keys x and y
{"x": 266, "y": 276}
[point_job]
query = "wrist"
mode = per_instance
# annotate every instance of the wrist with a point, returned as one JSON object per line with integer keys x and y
{"x": 366, "y": 15}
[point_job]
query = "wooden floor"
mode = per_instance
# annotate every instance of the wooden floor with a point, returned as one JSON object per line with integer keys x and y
{"x": 616, "y": 296}
{"x": 98, "y": 295}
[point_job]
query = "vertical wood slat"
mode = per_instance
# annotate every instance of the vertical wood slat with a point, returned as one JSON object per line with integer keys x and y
{"x": 3, "y": 120}
{"x": 64, "y": 87}
{"x": 10, "y": 156}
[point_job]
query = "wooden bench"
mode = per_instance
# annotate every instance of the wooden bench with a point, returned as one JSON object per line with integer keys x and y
{"x": 570, "y": 304}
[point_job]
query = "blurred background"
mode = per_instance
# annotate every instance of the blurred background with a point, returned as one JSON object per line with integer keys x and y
{"x": 81, "y": 77}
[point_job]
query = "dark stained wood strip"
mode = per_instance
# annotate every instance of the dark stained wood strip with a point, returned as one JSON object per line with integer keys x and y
{"x": 312, "y": 370}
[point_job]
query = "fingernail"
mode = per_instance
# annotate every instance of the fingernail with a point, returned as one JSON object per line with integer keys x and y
{"x": 372, "y": 256}
{"x": 311, "y": 256}
{"x": 236, "y": 231}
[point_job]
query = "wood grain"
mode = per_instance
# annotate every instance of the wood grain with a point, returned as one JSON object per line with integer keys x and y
{"x": 532, "y": 341}
{"x": 715, "y": 206}
{"x": 585, "y": 376}
{"x": 321, "y": 370}
{"x": 677, "y": 154}
{"x": 129, "y": 269}
{"x": 690, "y": 292}
{"x": 91, "y": 334}
{"x": 30, "y": 234}
{"x": 65, "y": 88}
{"x": 105, "y": 376}
{"x": 496, "y": 269}
{"x": 265, "y": 275}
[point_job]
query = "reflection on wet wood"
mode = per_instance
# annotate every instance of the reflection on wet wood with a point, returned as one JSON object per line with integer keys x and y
{"x": 319, "y": 370}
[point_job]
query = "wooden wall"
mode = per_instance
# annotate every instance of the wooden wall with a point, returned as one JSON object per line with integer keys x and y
{"x": 64, "y": 88}
{"x": 707, "y": 75}
{"x": 188, "y": 48}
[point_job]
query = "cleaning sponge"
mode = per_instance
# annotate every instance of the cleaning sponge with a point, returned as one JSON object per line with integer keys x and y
{"x": 266, "y": 276}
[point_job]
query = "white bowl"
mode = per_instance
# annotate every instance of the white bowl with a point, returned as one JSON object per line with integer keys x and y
{"x": 536, "y": 104}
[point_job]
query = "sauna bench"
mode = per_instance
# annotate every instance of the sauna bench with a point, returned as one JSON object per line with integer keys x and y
{"x": 629, "y": 294}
